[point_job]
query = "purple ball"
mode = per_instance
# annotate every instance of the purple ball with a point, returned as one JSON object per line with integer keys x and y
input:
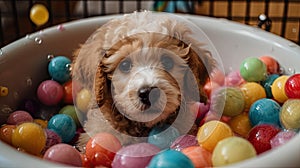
{"x": 19, "y": 117}
{"x": 135, "y": 155}
{"x": 184, "y": 141}
{"x": 52, "y": 139}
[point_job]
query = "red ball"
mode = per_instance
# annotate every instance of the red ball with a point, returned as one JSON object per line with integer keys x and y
{"x": 50, "y": 92}
{"x": 19, "y": 117}
{"x": 101, "y": 149}
{"x": 260, "y": 137}
{"x": 292, "y": 86}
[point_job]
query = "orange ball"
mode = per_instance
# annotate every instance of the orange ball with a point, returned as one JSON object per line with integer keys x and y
{"x": 240, "y": 124}
{"x": 271, "y": 63}
{"x": 101, "y": 149}
{"x": 6, "y": 132}
{"x": 198, "y": 155}
{"x": 68, "y": 92}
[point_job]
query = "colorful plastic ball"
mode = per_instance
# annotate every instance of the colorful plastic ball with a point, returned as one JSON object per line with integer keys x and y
{"x": 52, "y": 139}
{"x": 59, "y": 69}
{"x": 260, "y": 137}
{"x": 163, "y": 136}
{"x": 184, "y": 141}
{"x": 253, "y": 70}
{"x": 292, "y": 87}
{"x": 240, "y": 124}
{"x": 64, "y": 126}
{"x": 268, "y": 83}
{"x": 234, "y": 79}
{"x": 68, "y": 92}
{"x": 232, "y": 150}
{"x": 282, "y": 138}
{"x": 170, "y": 158}
{"x": 209, "y": 87}
{"x": 199, "y": 156}
{"x": 271, "y": 63}
{"x": 218, "y": 76}
{"x": 71, "y": 111}
{"x": 210, "y": 133}
{"x": 228, "y": 101}
{"x": 135, "y": 155}
{"x": 83, "y": 100}
{"x": 50, "y": 92}
{"x": 290, "y": 114}
{"x": 39, "y": 14}
{"x": 19, "y": 117}
{"x": 3, "y": 91}
{"x": 29, "y": 136}
{"x": 63, "y": 154}
{"x": 278, "y": 89}
{"x": 101, "y": 149}
{"x": 42, "y": 123}
{"x": 264, "y": 111}
{"x": 6, "y": 132}
{"x": 252, "y": 92}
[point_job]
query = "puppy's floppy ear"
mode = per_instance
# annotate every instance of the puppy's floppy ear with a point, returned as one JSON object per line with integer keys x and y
{"x": 100, "y": 86}
{"x": 201, "y": 64}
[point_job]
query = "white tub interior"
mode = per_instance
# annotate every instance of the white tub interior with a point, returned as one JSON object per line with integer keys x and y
{"x": 22, "y": 68}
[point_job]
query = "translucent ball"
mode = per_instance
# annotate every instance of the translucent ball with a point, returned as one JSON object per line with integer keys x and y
{"x": 39, "y": 14}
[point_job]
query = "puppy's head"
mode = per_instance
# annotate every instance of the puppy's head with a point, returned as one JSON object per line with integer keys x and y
{"x": 149, "y": 75}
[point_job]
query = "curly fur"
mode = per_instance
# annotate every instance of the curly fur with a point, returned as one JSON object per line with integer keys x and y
{"x": 144, "y": 39}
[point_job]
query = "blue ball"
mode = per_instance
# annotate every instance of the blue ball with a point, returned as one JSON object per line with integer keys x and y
{"x": 64, "y": 126}
{"x": 268, "y": 83}
{"x": 163, "y": 136}
{"x": 170, "y": 158}
{"x": 264, "y": 111}
{"x": 58, "y": 69}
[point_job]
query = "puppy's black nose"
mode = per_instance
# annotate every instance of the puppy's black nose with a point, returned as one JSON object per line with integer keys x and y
{"x": 148, "y": 95}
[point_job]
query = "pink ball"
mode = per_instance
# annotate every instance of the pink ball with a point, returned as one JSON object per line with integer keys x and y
{"x": 19, "y": 117}
{"x": 135, "y": 155}
{"x": 234, "y": 79}
{"x": 184, "y": 141}
{"x": 281, "y": 138}
{"x": 64, "y": 154}
{"x": 50, "y": 92}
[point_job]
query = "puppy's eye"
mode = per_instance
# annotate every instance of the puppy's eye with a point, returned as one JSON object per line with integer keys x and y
{"x": 167, "y": 62}
{"x": 125, "y": 65}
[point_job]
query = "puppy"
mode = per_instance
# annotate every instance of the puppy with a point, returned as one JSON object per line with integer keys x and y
{"x": 143, "y": 70}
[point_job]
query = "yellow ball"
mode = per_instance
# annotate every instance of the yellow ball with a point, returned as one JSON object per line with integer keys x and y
{"x": 42, "y": 123}
{"x": 290, "y": 114}
{"x": 211, "y": 133}
{"x": 240, "y": 124}
{"x": 30, "y": 137}
{"x": 252, "y": 92}
{"x": 83, "y": 99}
{"x": 277, "y": 89}
{"x": 232, "y": 150}
{"x": 39, "y": 14}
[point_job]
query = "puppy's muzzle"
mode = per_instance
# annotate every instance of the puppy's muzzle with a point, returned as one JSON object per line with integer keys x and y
{"x": 148, "y": 95}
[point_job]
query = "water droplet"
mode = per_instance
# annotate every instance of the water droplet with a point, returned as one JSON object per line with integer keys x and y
{"x": 50, "y": 57}
{"x": 5, "y": 109}
{"x": 69, "y": 67}
{"x": 291, "y": 71}
{"x": 281, "y": 70}
{"x": 16, "y": 95}
{"x": 29, "y": 81}
{"x": 292, "y": 45}
{"x": 27, "y": 36}
{"x": 1, "y": 51}
{"x": 38, "y": 40}
{"x": 60, "y": 27}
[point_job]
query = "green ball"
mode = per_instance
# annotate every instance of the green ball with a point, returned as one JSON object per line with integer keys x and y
{"x": 70, "y": 111}
{"x": 228, "y": 101}
{"x": 253, "y": 70}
